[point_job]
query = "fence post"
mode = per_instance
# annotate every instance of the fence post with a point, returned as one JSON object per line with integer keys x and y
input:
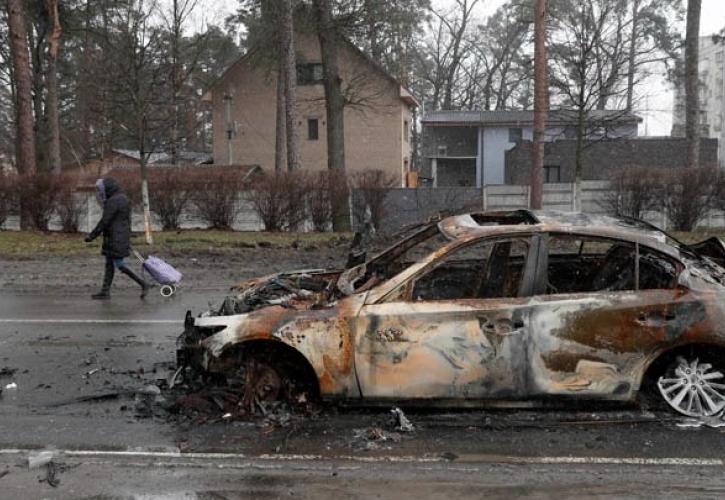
{"x": 484, "y": 197}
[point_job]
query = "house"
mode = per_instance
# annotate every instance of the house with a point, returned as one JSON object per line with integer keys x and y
{"x": 378, "y": 116}
{"x": 129, "y": 158}
{"x": 602, "y": 157}
{"x": 468, "y": 148}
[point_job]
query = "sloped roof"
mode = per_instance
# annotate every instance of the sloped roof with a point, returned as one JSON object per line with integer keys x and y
{"x": 404, "y": 93}
{"x": 494, "y": 118}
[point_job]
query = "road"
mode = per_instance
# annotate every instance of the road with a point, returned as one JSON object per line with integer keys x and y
{"x": 65, "y": 346}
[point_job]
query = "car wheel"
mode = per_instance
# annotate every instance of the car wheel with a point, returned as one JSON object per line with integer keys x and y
{"x": 263, "y": 381}
{"x": 692, "y": 388}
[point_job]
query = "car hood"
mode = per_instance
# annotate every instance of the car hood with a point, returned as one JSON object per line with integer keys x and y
{"x": 304, "y": 289}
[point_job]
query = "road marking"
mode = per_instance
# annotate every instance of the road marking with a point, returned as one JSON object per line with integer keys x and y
{"x": 94, "y": 321}
{"x": 505, "y": 459}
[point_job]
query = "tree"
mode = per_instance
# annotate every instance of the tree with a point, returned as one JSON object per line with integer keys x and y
{"x": 25, "y": 142}
{"x": 334, "y": 107}
{"x": 540, "y": 103}
{"x": 581, "y": 70}
{"x": 54, "y": 160}
{"x": 288, "y": 67}
{"x": 692, "y": 83}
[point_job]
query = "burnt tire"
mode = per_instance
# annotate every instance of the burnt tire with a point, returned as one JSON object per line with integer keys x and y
{"x": 268, "y": 374}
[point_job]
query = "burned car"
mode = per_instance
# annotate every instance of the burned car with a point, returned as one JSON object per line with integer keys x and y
{"x": 520, "y": 307}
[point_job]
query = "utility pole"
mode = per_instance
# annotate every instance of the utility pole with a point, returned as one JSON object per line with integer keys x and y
{"x": 540, "y": 104}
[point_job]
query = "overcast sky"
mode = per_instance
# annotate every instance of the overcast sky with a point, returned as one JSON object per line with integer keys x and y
{"x": 655, "y": 93}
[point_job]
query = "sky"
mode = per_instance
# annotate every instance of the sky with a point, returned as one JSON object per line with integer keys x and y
{"x": 655, "y": 93}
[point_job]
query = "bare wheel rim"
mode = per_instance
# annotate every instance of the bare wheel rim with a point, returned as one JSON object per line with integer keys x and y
{"x": 262, "y": 382}
{"x": 694, "y": 389}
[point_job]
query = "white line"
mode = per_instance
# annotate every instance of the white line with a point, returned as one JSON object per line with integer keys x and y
{"x": 665, "y": 461}
{"x": 94, "y": 321}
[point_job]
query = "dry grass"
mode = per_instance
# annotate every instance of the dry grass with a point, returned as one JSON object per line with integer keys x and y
{"x": 28, "y": 244}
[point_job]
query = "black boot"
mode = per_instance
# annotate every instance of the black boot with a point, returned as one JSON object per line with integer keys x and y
{"x": 105, "y": 292}
{"x": 145, "y": 287}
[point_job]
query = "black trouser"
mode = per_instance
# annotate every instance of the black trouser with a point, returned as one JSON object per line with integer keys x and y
{"x": 111, "y": 264}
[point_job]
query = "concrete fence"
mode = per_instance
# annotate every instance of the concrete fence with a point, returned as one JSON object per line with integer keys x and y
{"x": 402, "y": 207}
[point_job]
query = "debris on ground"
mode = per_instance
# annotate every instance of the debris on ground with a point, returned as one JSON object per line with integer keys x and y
{"x": 145, "y": 399}
{"x": 4, "y": 473}
{"x": 104, "y": 396}
{"x": 11, "y": 386}
{"x": 372, "y": 438}
{"x": 52, "y": 470}
{"x": 400, "y": 421}
{"x": 7, "y": 372}
{"x": 713, "y": 422}
{"x": 38, "y": 459}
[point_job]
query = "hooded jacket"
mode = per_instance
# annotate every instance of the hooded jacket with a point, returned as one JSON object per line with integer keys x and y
{"x": 115, "y": 224}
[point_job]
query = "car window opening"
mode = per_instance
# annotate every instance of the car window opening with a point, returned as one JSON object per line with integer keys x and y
{"x": 483, "y": 270}
{"x": 581, "y": 265}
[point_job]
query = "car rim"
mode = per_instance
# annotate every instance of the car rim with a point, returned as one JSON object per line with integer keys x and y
{"x": 694, "y": 390}
{"x": 262, "y": 382}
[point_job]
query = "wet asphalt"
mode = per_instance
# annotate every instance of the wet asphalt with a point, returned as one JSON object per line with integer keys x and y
{"x": 63, "y": 346}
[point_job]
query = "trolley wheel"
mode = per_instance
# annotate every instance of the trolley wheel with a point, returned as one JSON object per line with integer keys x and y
{"x": 167, "y": 290}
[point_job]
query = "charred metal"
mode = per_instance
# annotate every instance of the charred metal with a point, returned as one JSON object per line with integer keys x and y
{"x": 517, "y": 305}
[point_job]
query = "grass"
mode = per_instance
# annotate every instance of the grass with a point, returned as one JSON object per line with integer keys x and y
{"x": 28, "y": 244}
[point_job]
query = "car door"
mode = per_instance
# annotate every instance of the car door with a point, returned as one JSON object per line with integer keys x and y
{"x": 599, "y": 315}
{"x": 456, "y": 329}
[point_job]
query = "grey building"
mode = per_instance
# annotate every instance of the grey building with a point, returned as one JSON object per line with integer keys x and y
{"x": 468, "y": 148}
{"x": 602, "y": 157}
{"x": 712, "y": 95}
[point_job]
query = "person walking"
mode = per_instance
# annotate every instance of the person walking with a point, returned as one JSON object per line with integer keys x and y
{"x": 115, "y": 226}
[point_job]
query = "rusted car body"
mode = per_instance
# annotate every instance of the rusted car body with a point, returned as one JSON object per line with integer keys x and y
{"x": 517, "y": 306}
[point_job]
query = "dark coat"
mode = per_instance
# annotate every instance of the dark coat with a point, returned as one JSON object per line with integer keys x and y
{"x": 115, "y": 225}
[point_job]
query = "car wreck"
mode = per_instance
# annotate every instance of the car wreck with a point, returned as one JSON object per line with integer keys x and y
{"x": 518, "y": 307}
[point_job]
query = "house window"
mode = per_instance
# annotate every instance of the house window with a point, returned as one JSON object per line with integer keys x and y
{"x": 406, "y": 131}
{"x": 515, "y": 135}
{"x": 552, "y": 174}
{"x": 442, "y": 150}
{"x": 313, "y": 129}
{"x": 309, "y": 74}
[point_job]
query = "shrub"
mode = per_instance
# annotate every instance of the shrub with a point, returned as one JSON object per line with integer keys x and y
{"x": 69, "y": 206}
{"x": 279, "y": 199}
{"x": 372, "y": 185}
{"x": 170, "y": 191}
{"x": 39, "y": 193}
{"x": 8, "y": 196}
{"x": 689, "y": 195}
{"x": 215, "y": 195}
{"x": 634, "y": 191}
{"x": 319, "y": 200}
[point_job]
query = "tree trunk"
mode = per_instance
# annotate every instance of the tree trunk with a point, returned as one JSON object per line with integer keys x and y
{"x": 632, "y": 55}
{"x": 281, "y": 130}
{"x": 540, "y": 100}
{"x": 335, "y": 107}
{"x": 54, "y": 160}
{"x": 579, "y": 157}
{"x": 290, "y": 86}
{"x": 145, "y": 199}
{"x": 692, "y": 80}
{"x": 25, "y": 145}
{"x": 175, "y": 83}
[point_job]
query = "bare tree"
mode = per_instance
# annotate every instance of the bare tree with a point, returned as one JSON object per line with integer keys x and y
{"x": 541, "y": 88}
{"x": 54, "y": 160}
{"x": 634, "y": 191}
{"x": 578, "y": 68}
{"x": 692, "y": 83}
{"x": 334, "y": 106}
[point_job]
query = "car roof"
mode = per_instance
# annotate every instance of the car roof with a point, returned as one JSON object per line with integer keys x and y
{"x": 477, "y": 224}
